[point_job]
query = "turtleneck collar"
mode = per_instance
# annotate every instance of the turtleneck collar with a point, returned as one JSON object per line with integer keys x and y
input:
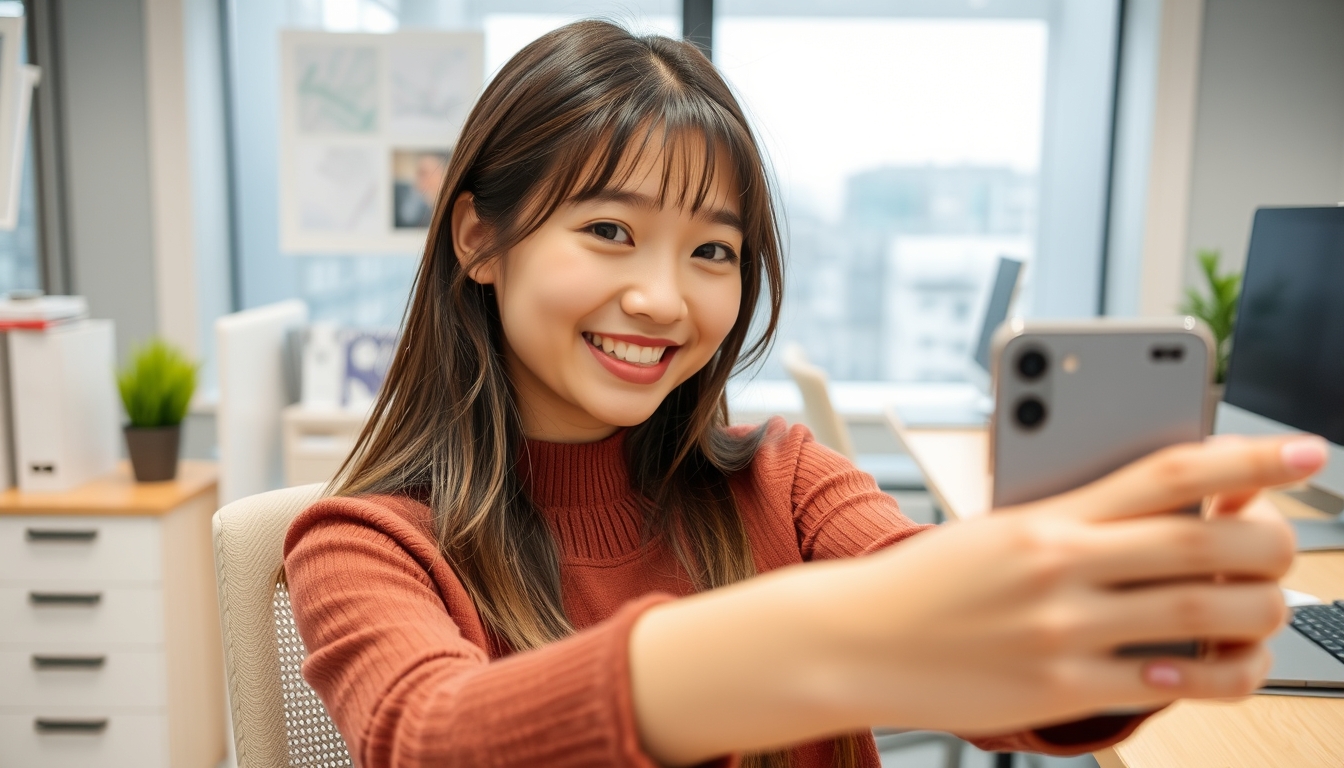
{"x": 576, "y": 474}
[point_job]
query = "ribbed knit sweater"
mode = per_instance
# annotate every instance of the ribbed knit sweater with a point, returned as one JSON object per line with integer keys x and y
{"x": 412, "y": 678}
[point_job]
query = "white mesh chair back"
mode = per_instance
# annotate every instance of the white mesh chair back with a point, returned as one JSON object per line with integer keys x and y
{"x": 277, "y": 719}
{"x": 820, "y": 414}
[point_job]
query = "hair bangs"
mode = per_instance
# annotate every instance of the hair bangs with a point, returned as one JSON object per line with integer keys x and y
{"x": 686, "y": 133}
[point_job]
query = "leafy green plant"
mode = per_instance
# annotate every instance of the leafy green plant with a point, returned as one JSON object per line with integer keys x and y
{"x": 1218, "y": 308}
{"x": 156, "y": 386}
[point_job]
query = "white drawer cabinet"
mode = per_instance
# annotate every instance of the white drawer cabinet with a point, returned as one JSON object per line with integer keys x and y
{"x": 43, "y": 613}
{"x": 91, "y": 675}
{"x": 83, "y": 739}
{"x": 109, "y": 635}
{"x": 55, "y": 549}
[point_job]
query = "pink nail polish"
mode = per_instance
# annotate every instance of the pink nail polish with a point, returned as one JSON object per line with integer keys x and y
{"x": 1162, "y": 675}
{"x": 1306, "y": 453}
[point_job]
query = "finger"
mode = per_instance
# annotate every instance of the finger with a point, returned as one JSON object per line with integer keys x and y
{"x": 1170, "y": 547}
{"x": 1180, "y": 476}
{"x": 1127, "y": 683}
{"x": 1232, "y": 613}
{"x": 1231, "y": 503}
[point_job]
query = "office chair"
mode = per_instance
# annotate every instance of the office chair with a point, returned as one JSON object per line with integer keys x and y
{"x": 891, "y": 470}
{"x": 277, "y": 719}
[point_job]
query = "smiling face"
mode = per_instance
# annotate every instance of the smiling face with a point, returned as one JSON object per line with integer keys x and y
{"x": 613, "y": 301}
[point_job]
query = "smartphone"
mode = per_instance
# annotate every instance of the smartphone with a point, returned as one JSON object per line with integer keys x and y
{"x": 1075, "y": 401}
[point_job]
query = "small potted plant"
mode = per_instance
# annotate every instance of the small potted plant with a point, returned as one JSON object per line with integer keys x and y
{"x": 1218, "y": 309}
{"x": 156, "y": 388}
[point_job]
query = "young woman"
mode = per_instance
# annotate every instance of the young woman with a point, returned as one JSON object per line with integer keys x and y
{"x": 548, "y": 468}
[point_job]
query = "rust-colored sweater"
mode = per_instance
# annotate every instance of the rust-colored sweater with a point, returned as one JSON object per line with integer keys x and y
{"x": 411, "y": 677}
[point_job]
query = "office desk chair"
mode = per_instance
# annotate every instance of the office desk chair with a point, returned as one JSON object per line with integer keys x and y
{"x": 277, "y": 719}
{"x": 891, "y": 470}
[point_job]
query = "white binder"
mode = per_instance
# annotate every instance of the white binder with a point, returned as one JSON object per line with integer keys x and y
{"x": 65, "y": 405}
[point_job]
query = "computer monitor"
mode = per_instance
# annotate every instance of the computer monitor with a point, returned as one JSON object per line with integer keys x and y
{"x": 1287, "y": 368}
{"x": 1001, "y": 294}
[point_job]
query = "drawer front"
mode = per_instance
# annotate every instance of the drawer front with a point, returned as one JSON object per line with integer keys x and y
{"x": 84, "y": 738}
{"x": 82, "y": 677}
{"x": 60, "y": 548}
{"x": 60, "y": 616}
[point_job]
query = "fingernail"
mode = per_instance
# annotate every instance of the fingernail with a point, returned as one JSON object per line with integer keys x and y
{"x": 1305, "y": 453}
{"x": 1162, "y": 675}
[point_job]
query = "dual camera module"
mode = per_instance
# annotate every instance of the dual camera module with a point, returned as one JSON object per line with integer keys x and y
{"x": 1030, "y": 411}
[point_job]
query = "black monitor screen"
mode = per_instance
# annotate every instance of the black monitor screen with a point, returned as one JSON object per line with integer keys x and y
{"x": 1288, "y": 346}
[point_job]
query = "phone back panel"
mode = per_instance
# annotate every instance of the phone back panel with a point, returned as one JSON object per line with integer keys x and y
{"x": 1112, "y": 392}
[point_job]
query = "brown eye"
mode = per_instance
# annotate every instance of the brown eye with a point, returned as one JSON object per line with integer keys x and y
{"x": 715, "y": 252}
{"x": 610, "y": 231}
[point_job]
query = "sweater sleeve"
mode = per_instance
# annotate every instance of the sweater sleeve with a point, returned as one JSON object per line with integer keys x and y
{"x": 840, "y": 512}
{"x": 397, "y": 653}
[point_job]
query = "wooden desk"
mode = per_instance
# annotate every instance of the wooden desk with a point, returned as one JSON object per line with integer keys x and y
{"x": 1288, "y": 731}
{"x": 110, "y": 649}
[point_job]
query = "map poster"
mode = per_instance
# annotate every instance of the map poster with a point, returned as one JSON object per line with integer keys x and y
{"x": 368, "y": 125}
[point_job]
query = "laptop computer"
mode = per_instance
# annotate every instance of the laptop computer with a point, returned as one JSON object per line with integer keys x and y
{"x": 1007, "y": 278}
{"x": 1309, "y": 653}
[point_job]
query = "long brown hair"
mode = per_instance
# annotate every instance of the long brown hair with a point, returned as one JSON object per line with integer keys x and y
{"x": 562, "y": 120}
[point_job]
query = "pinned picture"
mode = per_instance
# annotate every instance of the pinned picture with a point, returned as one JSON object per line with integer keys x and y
{"x": 417, "y": 176}
{"x": 368, "y": 122}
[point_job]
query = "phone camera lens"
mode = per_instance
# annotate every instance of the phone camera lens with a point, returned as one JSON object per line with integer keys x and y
{"x": 1030, "y": 412}
{"x": 1031, "y": 364}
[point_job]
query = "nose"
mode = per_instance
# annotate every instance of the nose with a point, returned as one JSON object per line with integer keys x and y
{"x": 655, "y": 292}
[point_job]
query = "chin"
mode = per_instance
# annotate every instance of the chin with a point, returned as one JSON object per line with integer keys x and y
{"x": 619, "y": 414}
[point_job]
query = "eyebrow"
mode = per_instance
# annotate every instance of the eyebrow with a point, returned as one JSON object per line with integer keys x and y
{"x": 638, "y": 200}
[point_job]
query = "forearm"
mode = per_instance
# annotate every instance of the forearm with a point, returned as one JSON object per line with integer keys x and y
{"x": 754, "y": 666}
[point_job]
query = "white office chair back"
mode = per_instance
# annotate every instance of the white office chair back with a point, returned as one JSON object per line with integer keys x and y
{"x": 820, "y": 415}
{"x": 277, "y": 719}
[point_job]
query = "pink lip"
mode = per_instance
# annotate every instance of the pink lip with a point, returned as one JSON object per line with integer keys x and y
{"x": 635, "y": 374}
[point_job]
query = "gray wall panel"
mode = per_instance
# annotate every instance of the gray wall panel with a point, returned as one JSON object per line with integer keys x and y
{"x": 107, "y": 154}
{"x": 1270, "y": 123}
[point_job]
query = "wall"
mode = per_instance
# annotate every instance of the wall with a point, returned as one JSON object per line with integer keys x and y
{"x": 146, "y": 174}
{"x": 105, "y": 111}
{"x": 1269, "y": 124}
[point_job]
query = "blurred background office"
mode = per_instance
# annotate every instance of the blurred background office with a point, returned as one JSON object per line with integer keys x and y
{"x": 915, "y": 142}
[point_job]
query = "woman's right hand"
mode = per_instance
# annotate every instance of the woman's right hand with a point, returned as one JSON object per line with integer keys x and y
{"x": 993, "y": 625}
{"x": 1013, "y": 620}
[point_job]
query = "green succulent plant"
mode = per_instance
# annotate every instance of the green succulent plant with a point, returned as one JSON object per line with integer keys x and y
{"x": 156, "y": 385}
{"x": 1218, "y": 308}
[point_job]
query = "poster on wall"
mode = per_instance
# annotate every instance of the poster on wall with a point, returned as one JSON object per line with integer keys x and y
{"x": 367, "y": 127}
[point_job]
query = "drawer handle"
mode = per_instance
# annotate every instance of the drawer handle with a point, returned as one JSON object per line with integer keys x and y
{"x": 62, "y": 725}
{"x": 57, "y": 534}
{"x": 69, "y": 662}
{"x": 65, "y": 598}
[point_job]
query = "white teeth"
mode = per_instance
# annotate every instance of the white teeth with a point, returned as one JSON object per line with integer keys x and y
{"x": 631, "y": 353}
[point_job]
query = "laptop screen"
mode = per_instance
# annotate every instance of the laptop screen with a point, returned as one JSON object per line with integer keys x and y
{"x": 996, "y": 309}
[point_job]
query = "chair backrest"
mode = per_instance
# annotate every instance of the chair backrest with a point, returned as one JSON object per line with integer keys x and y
{"x": 277, "y": 719}
{"x": 825, "y": 423}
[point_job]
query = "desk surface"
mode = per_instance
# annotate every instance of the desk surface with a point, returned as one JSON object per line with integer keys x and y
{"x": 117, "y": 494}
{"x": 1289, "y": 731}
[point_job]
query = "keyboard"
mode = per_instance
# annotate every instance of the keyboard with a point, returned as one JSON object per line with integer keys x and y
{"x": 1323, "y": 625}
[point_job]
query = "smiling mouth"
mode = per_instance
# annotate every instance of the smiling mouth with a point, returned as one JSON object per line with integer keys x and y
{"x": 624, "y": 351}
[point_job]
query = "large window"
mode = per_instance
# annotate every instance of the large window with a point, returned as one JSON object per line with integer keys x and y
{"x": 909, "y": 141}
{"x": 914, "y": 143}
{"x": 19, "y": 268}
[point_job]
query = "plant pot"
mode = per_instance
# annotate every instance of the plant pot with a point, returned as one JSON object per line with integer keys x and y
{"x": 153, "y": 452}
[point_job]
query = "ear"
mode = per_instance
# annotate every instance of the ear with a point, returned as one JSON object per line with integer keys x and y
{"x": 469, "y": 236}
